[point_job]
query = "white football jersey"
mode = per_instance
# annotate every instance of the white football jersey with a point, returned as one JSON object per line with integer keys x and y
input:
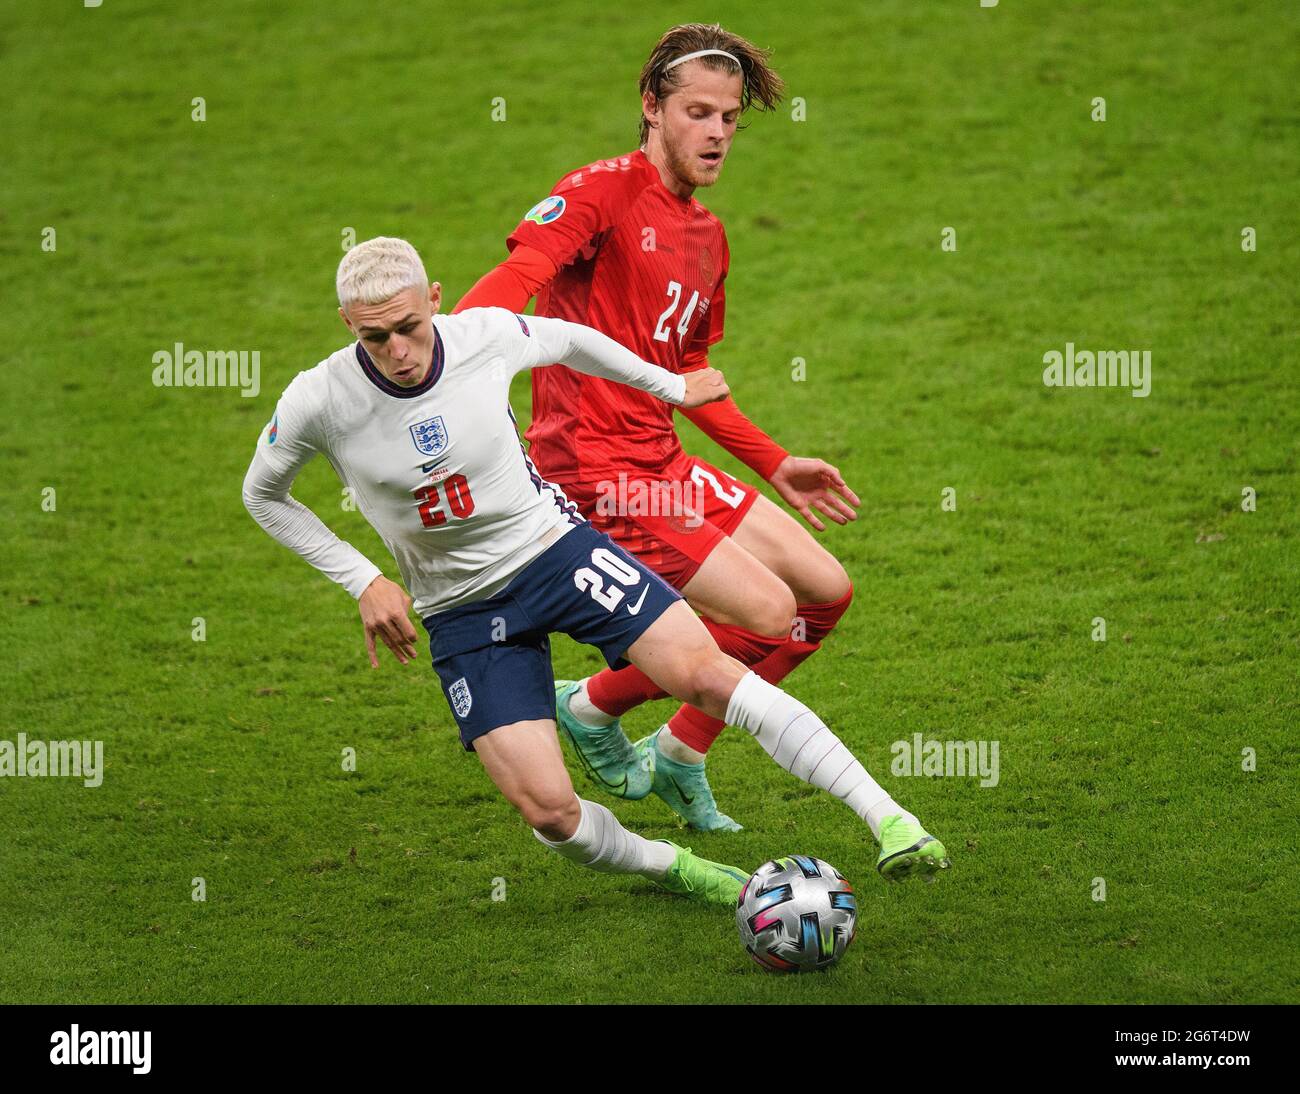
{"x": 437, "y": 469}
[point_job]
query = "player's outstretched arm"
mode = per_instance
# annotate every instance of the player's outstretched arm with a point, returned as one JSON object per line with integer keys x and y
{"x": 705, "y": 385}
{"x": 589, "y": 351}
{"x": 808, "y": 486}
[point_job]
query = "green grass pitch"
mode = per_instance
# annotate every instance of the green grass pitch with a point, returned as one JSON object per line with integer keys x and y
{"x": 1121, "y": 760}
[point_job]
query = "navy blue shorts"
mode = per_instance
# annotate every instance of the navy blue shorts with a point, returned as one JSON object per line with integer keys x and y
{"x": 493, "y": 656}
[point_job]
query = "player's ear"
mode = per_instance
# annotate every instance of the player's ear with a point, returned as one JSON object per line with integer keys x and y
{"x": 346, "y": 321}
{"x": 435, "y": 296}
{"x": 650, "y": 109}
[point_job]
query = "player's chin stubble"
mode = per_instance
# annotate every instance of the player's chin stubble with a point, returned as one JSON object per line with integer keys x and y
{"x": 685, "y": 169}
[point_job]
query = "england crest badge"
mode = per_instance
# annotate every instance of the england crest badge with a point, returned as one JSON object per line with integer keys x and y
{"x": 461, "y": 700}
{"x": 430, "y": 436}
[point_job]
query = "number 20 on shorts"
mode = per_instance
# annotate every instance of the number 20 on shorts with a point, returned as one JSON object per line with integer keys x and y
{"x": 608, "y": 596}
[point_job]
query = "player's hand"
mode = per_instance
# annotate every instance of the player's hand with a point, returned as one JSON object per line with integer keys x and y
{"x": 384, "y": 608}
{"x": 704, "y": 385}
{"x": 806, "y": 485}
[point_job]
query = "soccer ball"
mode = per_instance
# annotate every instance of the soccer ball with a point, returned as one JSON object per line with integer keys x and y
{"x": 796, "y": 914}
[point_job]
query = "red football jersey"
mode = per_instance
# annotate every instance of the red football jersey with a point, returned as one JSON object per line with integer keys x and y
{"x": 643, "y": 266}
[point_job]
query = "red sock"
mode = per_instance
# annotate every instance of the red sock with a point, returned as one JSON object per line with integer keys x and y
{"x": 617, "y": 692}
{"x": 698, "y": 730}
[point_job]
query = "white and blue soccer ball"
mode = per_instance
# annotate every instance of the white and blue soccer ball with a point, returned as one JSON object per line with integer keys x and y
{"x": 796, "y": 914}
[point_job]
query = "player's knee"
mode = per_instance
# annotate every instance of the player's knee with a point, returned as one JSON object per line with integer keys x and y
{"x": 712, "y": 681}
{"x": 554, "y": 817}
{"x": 773, "y": 613}
{"x": 841, "y": 588}
{"x": 825, "y": 581}
{"x": 834, "y": 587}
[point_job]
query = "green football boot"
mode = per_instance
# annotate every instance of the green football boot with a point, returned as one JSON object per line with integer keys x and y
{"x": 605, "y": 751}
{"x": 684, "y": 788}
{"x": 702, "y": 880}
{"x": 906, "y": 849}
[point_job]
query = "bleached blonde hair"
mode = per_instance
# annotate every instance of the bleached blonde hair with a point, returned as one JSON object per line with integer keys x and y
{"x": 377, "y": 270}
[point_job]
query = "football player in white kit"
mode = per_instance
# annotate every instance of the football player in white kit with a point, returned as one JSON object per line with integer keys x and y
{"x": 415, "y": 418}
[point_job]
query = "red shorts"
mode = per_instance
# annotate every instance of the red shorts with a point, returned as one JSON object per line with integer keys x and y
{"x": 671, "y": 520}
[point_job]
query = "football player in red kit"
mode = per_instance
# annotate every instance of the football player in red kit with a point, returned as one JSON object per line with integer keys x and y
{"x": 622, "y": 245}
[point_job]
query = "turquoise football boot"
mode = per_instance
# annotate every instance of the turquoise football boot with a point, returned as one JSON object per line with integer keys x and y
{"x": 684, "y": 788}
{"x": 605, "y": 751}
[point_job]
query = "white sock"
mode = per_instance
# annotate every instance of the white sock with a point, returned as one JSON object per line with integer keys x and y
{"x": 602, "y": 844}
{"x": 676, "y": 750}
{"x": 800, "y": 742}
{"x": 582, "y": 708}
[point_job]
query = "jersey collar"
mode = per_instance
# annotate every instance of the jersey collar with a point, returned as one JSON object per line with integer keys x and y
{"x": 679, "y": 202}
{"x": 372, "y": 373}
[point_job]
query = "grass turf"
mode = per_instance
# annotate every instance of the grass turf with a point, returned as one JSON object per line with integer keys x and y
{"x": 1120, "y": 760}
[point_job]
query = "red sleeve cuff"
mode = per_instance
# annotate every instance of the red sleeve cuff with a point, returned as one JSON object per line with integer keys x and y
{"x": 725, "y": 423}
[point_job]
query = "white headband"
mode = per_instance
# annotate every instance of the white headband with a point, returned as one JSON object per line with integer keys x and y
{"x": 702, "y": 53}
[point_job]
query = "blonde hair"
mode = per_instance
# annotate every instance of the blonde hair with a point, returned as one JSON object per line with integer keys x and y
{"x": 377, "y": 270}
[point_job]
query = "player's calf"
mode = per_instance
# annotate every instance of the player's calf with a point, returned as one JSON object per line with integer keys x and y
{"x": 554, "y": 820}
{"x": 802, "y": 744}
{"x": 525, "y": 762}
{"x": 523, "y": 759}
{"x": 693, "y": 731}
{"x": 600, "y": 843}
{"x": 672, "y": 653}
